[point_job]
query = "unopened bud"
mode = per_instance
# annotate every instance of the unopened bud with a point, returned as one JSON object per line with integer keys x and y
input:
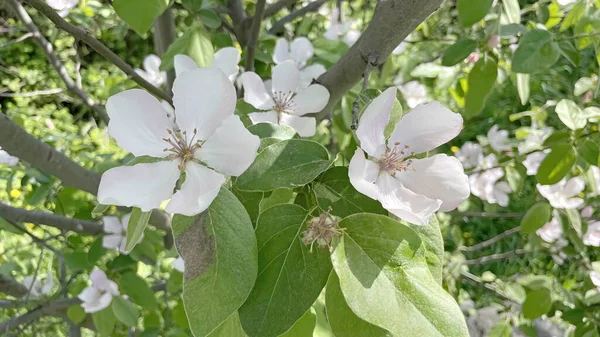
{"x": 473, "y": 57}
{"x": 493, "y": 42}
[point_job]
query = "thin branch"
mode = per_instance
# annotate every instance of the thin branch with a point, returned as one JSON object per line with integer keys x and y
{"x": 164, "y": 35}
{"x": 11, "y": 287}
{"x": 496, "y": 257}
{"x": 98, "y": 46}
{"x": 311, "y": 7}
{"x": 20, "y": 215}
{"x": 371, "y": 62}
{"x": 516, "y": 215}
{"x": 254, "y": 33}
{"x": 276, "y": 7}
{"x": 489, "y": 286}
{"x": 47, "y": 48}
{"x": 19, "y": 39}
{"x": 491, "y": 241}
{"x": 55, "y": 308}
{"x": 33, "y": 93}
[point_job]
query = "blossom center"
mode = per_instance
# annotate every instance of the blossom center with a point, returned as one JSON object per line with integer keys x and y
{"x": 393, "y": 160}
{"x": 181, "y": 147}
{"x": 284, "y": 101}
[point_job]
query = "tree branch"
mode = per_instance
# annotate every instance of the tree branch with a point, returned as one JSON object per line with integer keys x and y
{"x": 496, "y": 257}
{"x": 98, "y": 46}
{"x": 276, "y": 7}
{"x": 516, "y": 215}
{"x": 491, "y": 241}
{"x": 392, "y": 22}
{"x": 47, "y": 48}
{"x": 55, "y": 308}
{"x": 311, "y": 7}
{"x": 254, "y": 33}
{"x": 11, "y": 287}
{"x": 164, "y": 35}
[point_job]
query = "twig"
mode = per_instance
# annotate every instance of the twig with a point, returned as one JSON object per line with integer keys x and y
{"x": 495, "y": 257}
{"x": 477, "y": 281}
{"x": 14, "y": 214}
{"x": 164, "y": 35}
{"x": 35, "y": 239}
{"x": 276, "y": 7}
{"x": 47, "y": 48}
{"x": 254, "y": 33}
{"x": 55, "y": 308}
{"x": 98, "y": 46}
{"x": 11, "y": 287}
{"x": 491, "y": 241}
{"x": 33, "y": 93}
{"x": 516, "y": 215}
{"x": 311, "y": 7}
{"x": 371, "y": 62}
{"x": 19, "y": 39}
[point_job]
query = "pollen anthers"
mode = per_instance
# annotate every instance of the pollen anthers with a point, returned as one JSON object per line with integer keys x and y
{"x": 393, "y": 160}
{"x": 283, "y": 101}
{"x": 181, "y": 147}
{"x": 322, "y": 230}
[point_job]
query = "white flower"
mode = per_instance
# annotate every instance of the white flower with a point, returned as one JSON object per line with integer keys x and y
{"x": 116, "y": 233}
{"x": 62, "y": 6}
{"x": 534, "y": 140}
{"x": 225, "y": 59}
{"x": 486, "y": 186}
{"x": 595, "y": 176}
{"x": 498, "y": 139}
{"x": 470, "y": 155}
{"x": 338, "y": 28}
{"x": 7, "y": 159}
{"x": 490, "y": 161}
{"x": 99, "y": 295}
{"x": 565, "y": 2}
{"x": 287, "y": 101}
{"x": 299, "y": 51}
{"x": 587, "y": 212}
{"x": 493, "y": 42}
{"x": 400, "y": 48}
{"x": 412, "y": 189}
{"x": 151, "y": 71}
{"x": 414, "y": 92}
{"x": 38, "y": 288}
{"x": 595, "y": 277}
{"x": 533, "y": 161}
{"x": 207, "y": 141}
{"x": 561, "y": 195}
{"x": 551, "y": 231}
{"x": 592, "y": 236}
{"x": 178, "y": 264}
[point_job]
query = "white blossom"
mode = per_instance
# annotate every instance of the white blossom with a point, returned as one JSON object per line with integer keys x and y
{"x": 99, "y": 295}
{"x": 533, "y": 161}
{"x": 7, "y": 159}
{"x": 595, "y": 277}
{"x": 178, "y": 264}
{"x": 587, "y": 212}
{"x": 400, "y": 48}
{"x": 116, "y": 232}
{"x": 534, "y": 140}
{"x": 565, "y": 2}
{"x": 300, "y": 51}
{"x": 498, "y": 139}
{"x": 287, "y": 101}
{"x": 470, "y": 155}
{"x": 592, "y": 236}
{"x": 341, "y": 29}
{"x": 225, "y": 59}
{"x": 38, "y": 288}
{"x": 551, "y": 231}
{"x": 151, "y": 71}
{"x": 410, "y": 188}
{"x": 414, "y": 92}
{"x": 595, "y": 176}
{"x": 562, "y": 194}
{"x": 486, "y": 186}
{"x": 62, "y": 6}
{"x": 207, "y": 141}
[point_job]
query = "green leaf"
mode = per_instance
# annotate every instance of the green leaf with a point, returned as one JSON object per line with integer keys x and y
{"x": 99, "y": 210}
{"x": 515, "y": 175}
{"x": 458, "y": 52}
{"x": 269, "y": 130}
{"x": 570, "y": 52}
{"x": 140, "y": 14}
{"x": 570, "y": 114}
{"x": 137, "y": 288}
{"x": 135, "y": 228}
{"x": 232, "y": 327}
{"x": 192, "y": 5}
{"x": 502, "y": 329}
{"x": 512, "y": 11}
{"x": 556, "y": 165}
{"x": 104, "y": 322}
{"x": 537, "y": 303}
{"x": 290, "y": 276}
{"x": 575, "y": 14}
{"x": 536, "y": 52}
{"x": 209, "y": 18}
{"x": 536, "y": 217}
{"x": 76, "y": 314}
{"x": 385, "y": 279}
{"x": 219, "y": 249}
{"x": 304, "y": 327}
{"x": 523, "y": 87}
{"x": 333, "y": 189}
{"x": 342, "y": 319}
{"x": 433, "y": 242}
{"x": 558, "y": 137}
{"x": 194, "y": 43}
{"x": 512, "y": 29}
{"x": 96, "y": 251}
{"x": 589, "y": 151}
{"x": 125, "y": 311}
{"x": 472, "y": 11}
{"x": 481, "y": 81}
{"x": 289, "y": 163}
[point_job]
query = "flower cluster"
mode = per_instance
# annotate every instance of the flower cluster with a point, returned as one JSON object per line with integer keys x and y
{"x": 99, "y": 295}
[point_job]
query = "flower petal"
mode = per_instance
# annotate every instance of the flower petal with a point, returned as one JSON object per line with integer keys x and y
{"x": 227, "y": 60}
{"x": 286, "y": 78}
{"x": 311, "y": 72}
{"x": 282, "y": 51}
{"x": 98, "y": 278}
{"x": 203, "y": 99}
{"x": 438, "y": 177}
{"x": 138, "y": 122}
{"x": 231, "y": 149}
{"x": 112, "y": 241}
{"x": 152, "y": 63}
{"x": 178, "y": 264}
{"x": 310, "y": 100}
{"x": 200, "y": 188}
{"x": 89, "y": 294}
{"x": 184, "y": 63}
{"x": 143, "y": 185}
{"x": 263, "y": 117}
{"x": 301, "y": 50}
{"x": 373, "y": 121}
{"x": 403, "y": 203}
{"x": 255, "y": 93}
{"x": 111, "y": 287}
{"x": 99, "y": 304}
{"x": 363, "y": 174}
{"x": 111, "y": 224}
{"x": 304, "y": 126}
{"x": 427, "y": 127}
{"x": 573, "y": 187}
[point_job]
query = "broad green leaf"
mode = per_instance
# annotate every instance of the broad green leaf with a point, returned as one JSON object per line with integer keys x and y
{"x": 135, "y": 228}
{"x": 570, "y": 52}
{"x": 219, "y": 250}
{"x": 289, "y": 163}
{"x": 535, "y": 282}
{"x": 209, "y": 18}
{"x": 232, "y": 327}
{"x": 558, "y": 137}
{"x": 76, "y": 314}
{"x": 556, "y": 165}
{"x": 536, "y": 52}
{"x": 144, "y": 160}
{"x": 512, "y": 29}
{"x": 570, "y": 114}
{"x": 278, "y": 196}
{"x": 386, "y": 281}
{"x": 342, "y": 319}
{"x": 99, "y": 210}
{"x": 589, "y": 151}
{"x": 104, "y": 322}
{"x": 502, "y": 329}
{"x": 555, "y": 15}
{"x": 125, "y": 311}
{"x": 95, "y": 251}
{"x": 515, "y": 175}
{"x": 523, "y": 87}
{"x": 472, "y": 11}
{"x": 511, "y": 11}
{"x": 574, "y": 220}
{"x": 536, "y": 217}
{"x": 140, "y": 14}
{"x": 269, "y": 130}
{"x": 137, "y": 288}
{"x": 304, "y": 327}
{"x": 537, "y": 303}
{"x": 290, "y": 276}
{"x": 481, "y": 81}
{"x": 194, "y": 43}
{"x": 192, "y": 5}
{"x": 433, "y": 242}
{"x": 575, "y": 14}
{"x": 458, "y": 52}
{"x": 251, "y": 202}
{"x": 333, "y": 189}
